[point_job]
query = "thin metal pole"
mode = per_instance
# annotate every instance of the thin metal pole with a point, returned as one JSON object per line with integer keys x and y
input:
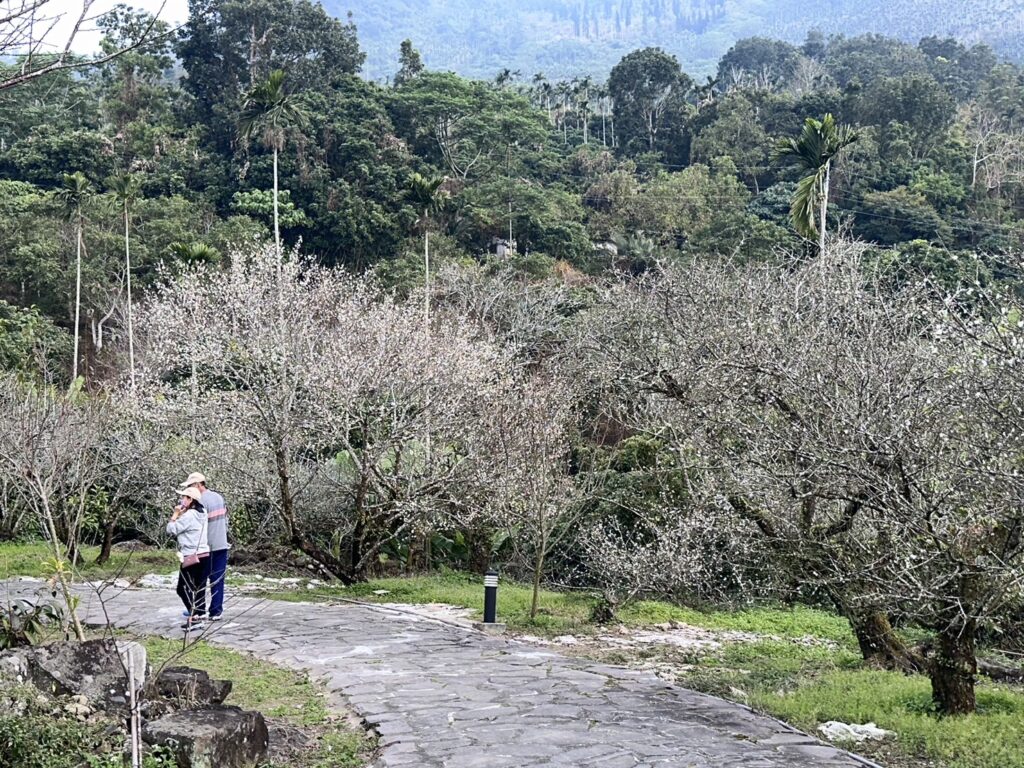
{"x": 133, "y": 703}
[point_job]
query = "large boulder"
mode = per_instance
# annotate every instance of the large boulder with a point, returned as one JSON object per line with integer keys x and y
{"x": 216, "y": 737}
{"x": 97, "y": 670}
{"x": 191, "y": 688}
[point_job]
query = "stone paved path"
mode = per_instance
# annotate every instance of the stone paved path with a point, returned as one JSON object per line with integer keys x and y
{"x": 443, "y": 697}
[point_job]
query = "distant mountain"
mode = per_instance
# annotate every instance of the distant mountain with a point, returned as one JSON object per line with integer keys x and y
{"x": 563, "y": 38}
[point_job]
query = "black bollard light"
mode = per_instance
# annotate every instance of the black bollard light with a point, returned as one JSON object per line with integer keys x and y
{"x": 491, "y": 597}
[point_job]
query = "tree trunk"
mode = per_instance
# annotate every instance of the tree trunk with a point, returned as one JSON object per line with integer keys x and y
{"x": 277, "y": 227}
{"x": 78, "y": 297}
{"x": 128, "y": 278}
{"x": 297, "y": 539}
{"x": 880, "y": 646}
{"x": 426, "y": 273}
{"x": 824, "y": 209}
{"x": 428, "y": 550}
{"x": 55, "y": 547}
{"x": 108, "y": 543}
{"x": 954, "y": 669}
{"x": 478, "y": 544}
{"x": 538, "y": 571}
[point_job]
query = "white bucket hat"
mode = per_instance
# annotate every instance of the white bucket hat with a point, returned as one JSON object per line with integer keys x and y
{"x": 194, "y": 479}
{"x": 192, "y": 493}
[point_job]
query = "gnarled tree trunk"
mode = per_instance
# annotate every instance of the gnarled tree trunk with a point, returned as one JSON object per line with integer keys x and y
{"x": 954, "y": 669}
{"x": 296, "y": 537}
{"x": 879, "y": 644}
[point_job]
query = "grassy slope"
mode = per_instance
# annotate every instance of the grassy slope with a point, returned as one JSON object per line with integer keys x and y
{"x": 30, "y": 559}
{"x": 276, "y": 692}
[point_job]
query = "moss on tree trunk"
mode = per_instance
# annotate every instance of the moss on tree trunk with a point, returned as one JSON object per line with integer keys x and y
{"x": 954, "y": 669}
{"x": 879, "y": 644}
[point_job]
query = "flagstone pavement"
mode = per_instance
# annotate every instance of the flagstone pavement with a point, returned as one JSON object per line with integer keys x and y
{"x": 441, "y": 696}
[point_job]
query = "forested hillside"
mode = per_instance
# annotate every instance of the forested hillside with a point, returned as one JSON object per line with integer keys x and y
{"x": 565, "y": 38}
{"x": 651, "y": 164}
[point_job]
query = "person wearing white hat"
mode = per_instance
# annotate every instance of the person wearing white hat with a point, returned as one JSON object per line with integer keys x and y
{"x": 217, "y": 535}
{"x": 188, "y": 524}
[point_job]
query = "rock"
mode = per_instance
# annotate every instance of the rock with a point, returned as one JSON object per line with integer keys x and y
{"x": 1000, "y": 672}
{"x": 217, "y": 737}
{"x": 94, "y": 669}
{"x": 490, "y": 628}
{"x": 836, "y": 731}
{"x": 159, "y": 581}
{"x": 191, "y": 688}
{"x": 14, "y": 666}
{"x": 565, "y": 640}
{"x": 78, "y": 707}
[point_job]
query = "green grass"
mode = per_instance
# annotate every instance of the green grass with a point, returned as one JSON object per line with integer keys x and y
{"x": 794, "y": 622}
{"x": 570, "y": 611}
{"x": 991, "y": 738}
{"x": 256, "y": 684}
{"x": 559, "y": 611}
{"x": 31, "y": 558}
{"x": 341, "y": 749}
{"x": 276, "y": 692}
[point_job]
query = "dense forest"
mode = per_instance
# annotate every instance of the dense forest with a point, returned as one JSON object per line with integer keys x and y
{"x": 582, "y": 175}
{"x": 566, "y": 37}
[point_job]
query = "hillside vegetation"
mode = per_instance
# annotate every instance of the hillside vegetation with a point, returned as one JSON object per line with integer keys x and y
{"x": 565, "y": 38}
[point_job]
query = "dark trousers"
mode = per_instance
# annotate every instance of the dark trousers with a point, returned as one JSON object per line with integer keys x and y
{"x": 192, "y": 587}
{"x": 216, "y": 569}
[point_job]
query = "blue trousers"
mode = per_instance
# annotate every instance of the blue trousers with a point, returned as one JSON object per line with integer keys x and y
{"x": 217, "y": 566}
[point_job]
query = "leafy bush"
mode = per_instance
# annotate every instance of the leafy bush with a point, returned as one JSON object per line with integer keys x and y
{"x": 24, "y": 623}
{"x": 33, "y": 736}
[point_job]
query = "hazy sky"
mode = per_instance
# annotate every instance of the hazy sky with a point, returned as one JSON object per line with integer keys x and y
{"x": 174, "y": 12}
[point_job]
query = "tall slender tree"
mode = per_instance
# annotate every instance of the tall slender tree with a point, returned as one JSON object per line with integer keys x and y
{"x": 428, "y": 197}
{"x": 126, "y": 188}
{"x": 269, "y": 110}
{"x": 75, "y": 188}
{"x": 819, "y": 143}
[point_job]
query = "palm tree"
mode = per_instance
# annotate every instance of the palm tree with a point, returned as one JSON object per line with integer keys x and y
{"x": 585, "y": 84}
{"x": 820, "y": 142}
{"x": 126, "y": 188}
{"x": 428, "y": 197}
{"x": 426, "y": 194}
{"x": 75, "y": 188}
{"x": 269, "y": 110}
{"x": 195, "y": 252}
